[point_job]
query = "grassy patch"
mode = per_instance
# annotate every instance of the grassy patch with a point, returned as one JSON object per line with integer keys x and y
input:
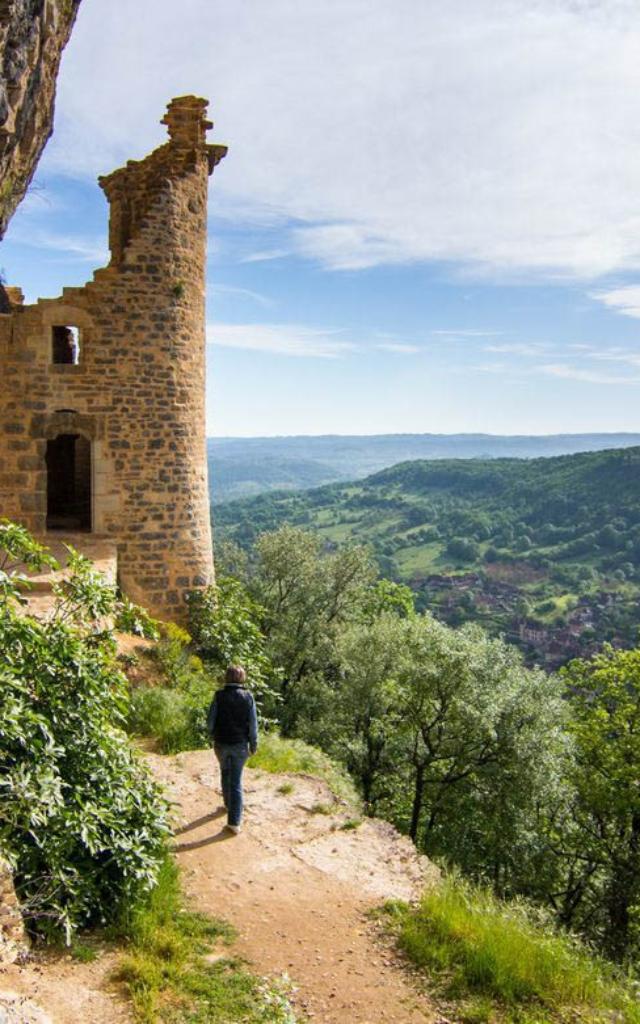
{"x": 503, "y": 966}
{"x": 351, "y": 824}
{"x": 282, "y": 756}
{"x": 177, "y": 969}
{"x": 285, "y": 788}
{"x": 320, "y": 808}
{"x": 174, "y": 718}
{"x": 83, "y": 952}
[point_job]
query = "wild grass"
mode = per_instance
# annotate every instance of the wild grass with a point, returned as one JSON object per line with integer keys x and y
{"x": 505, "y": 966}
{"x": 173, "y": 712}
{"x": 176, "y": 719}
{"x": 351, "y": 824}
{"x": 321, "y": 808}
{"x": 172, "y": 976}
{"x": 284, "y": 756}
{"x": 286, "y": 788}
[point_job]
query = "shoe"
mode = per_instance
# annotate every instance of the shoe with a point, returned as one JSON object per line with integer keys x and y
{"x": 234, "y": 828}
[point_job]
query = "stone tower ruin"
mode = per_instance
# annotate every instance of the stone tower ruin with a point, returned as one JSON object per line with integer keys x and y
{"x": 102, "y": 403}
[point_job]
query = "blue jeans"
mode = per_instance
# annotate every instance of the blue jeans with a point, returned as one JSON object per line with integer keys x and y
{"x": 232, "y": 758}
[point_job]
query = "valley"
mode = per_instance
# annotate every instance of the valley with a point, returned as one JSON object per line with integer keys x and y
{"x": 543, "y": 551}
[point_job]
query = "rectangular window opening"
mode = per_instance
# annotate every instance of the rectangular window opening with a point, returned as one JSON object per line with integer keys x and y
{"x": 65, "y": 344}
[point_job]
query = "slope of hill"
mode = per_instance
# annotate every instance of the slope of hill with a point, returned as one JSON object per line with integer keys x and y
{"x": 242, "y": 467}
{"x": 545, "y": 550}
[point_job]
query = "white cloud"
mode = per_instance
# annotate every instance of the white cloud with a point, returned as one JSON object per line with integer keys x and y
{"x": 242, "y": 293}
{"x": 466, "y": 334}
{"x": 587, "y": 376}
{"x": 518, "y": 348}
{"x": 613, "y": 356}
{"x": 74, "y": 247}
{"x": 280, "y": 339}
{"x": 565, "y": 371}
{"x": 501, "y": 134}
{"x": 399, "y": 347}
{"x": 264, "y": 255}
{"x": 624, "y": 300}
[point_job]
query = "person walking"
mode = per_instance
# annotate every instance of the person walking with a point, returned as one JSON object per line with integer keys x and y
{"x": 232, "y": 722}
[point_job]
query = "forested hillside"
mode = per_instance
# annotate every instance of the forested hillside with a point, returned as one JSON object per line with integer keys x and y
{"x": 242, "y": 467}
{"x": 546, "y": 550}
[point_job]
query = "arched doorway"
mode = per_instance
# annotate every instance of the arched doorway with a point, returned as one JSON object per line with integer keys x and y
{"x": 68, "y": 482}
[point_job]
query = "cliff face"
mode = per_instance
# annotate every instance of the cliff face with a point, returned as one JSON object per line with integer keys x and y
{"x": 33, "y": 34}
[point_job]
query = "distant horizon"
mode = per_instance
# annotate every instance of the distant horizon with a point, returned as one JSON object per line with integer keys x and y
{"x": 427, "y": 433}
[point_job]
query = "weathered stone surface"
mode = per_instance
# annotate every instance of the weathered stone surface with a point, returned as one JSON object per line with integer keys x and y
{"x": 137, "y": 394}
{"x": 13, "y": 938}
{"x": 33, "y": 34}
{"x": 17, "y": 1009}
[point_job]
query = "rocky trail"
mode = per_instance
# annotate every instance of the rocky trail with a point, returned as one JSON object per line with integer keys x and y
{"x": 295, "y": 884}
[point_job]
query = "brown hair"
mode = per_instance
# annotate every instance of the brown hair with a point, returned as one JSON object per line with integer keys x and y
{"x": 235, "y": 675}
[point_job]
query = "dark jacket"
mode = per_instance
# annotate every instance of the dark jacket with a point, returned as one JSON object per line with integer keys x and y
{"x": 232, "y": 717}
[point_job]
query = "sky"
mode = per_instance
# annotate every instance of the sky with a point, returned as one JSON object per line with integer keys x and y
{"x": 428, "y": 219}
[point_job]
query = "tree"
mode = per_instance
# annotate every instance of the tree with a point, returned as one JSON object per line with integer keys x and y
{"x": 307, "y": 596}
{"x": 470, "y": 711}
{"x": 604, "y": 698}
{"x": 362, "y": 715}
{"x": 463, "y": 550}
{"x": 225, "y": 626}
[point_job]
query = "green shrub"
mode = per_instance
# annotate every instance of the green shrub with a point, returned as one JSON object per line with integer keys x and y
{"x": 81, "y": 821}
{"x": 225, "y": 625}
{"x": 175, "y": 657}
{"x": 174, "y": 713}
{"x": 223, "y": 620}
{"x": 480, "y": 946}
{"x": 176, "y": 719}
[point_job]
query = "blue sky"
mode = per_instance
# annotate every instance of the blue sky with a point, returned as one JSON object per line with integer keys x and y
{"x": 428, "y": 220}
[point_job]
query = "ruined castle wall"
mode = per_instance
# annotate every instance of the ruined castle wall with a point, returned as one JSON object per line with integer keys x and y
{"x": 138, "y": 392}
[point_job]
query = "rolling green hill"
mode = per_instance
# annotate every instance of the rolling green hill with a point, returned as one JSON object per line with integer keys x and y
{"x": 241, "y": 467}
{"x": 545, "y": 550}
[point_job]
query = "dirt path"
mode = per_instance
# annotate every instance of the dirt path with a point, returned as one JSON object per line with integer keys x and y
{"x": 67, "y": 991}
{"x": 298, "y": 888}
{"x": 294, "y": 884}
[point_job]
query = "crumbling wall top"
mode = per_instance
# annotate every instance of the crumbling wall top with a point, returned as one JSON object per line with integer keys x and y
{"x": 132, "y": 189}
{"x": 186, "y": 120}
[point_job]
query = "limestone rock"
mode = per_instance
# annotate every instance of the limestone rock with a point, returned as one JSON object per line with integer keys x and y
{"x": 17, "y": 1009}
{"x": 13, "y": 938}
{"x": 33, "y": 34}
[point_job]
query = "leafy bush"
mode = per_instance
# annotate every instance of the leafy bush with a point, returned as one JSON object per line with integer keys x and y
{"x": 224, "y": 622}
{"x": 477, "y": 945}
{"x": 81, "y": 821}
{"x": 225, "y": 630}
{"x": 174, "y": 713}
{"x": 175, "y": 718}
